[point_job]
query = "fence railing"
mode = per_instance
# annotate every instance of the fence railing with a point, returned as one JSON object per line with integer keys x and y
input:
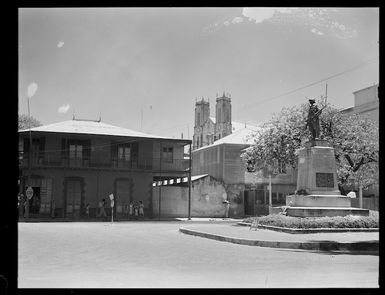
{"x": 141, "y": 163}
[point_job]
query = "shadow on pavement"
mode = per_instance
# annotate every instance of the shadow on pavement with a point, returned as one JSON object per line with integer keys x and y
{"x": 335, "y": 252}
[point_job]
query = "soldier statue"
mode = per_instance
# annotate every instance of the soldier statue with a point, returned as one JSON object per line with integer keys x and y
{"x": 313, "y": 120}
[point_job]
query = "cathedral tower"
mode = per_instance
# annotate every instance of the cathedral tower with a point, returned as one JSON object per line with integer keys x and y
{"x": 202, "y": 114}
{"x": 223, "y": 125}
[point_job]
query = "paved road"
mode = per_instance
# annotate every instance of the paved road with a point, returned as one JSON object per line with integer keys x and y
{"x": 156, "y": 254}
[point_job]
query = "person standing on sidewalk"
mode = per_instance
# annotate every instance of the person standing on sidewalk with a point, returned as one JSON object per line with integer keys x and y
{"x": 136, "y": 211}
{"x": 88, "y": 210}
{"x": 102, "y": 211}
{"x": 141, "y": 209}
{"x": 130, "y": 210}
{"x": 227, "y": 208}
{"x": 21, "y": 200}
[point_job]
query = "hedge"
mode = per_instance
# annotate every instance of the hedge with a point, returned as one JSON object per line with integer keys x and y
{"x": 349, "y": 221}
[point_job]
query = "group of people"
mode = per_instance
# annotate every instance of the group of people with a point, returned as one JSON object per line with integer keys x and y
{"x": 134, "y": 210}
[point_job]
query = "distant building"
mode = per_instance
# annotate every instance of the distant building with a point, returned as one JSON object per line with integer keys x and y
{"x": 79, "y": 162}
{"x": 208, "y": 129}
{"x": 247, "y": 192}
{"x": 366, "y": 103}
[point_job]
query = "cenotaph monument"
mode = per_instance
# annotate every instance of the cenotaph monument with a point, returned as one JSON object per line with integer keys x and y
{"x": 317, "y": 192}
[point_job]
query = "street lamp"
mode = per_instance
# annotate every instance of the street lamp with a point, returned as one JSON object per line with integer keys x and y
{"x": 31, "y": 90}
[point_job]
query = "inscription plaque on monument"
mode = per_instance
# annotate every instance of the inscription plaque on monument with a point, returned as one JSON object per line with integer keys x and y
{"x": 324, "y": 179}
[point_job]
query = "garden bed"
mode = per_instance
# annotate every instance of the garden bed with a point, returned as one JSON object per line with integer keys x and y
{"x": 318, "y": 223}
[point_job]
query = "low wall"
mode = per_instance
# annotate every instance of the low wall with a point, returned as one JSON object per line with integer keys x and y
{"x": 207, "y": 196}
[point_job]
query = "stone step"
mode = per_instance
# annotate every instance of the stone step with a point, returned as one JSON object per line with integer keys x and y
{"x": 318, "y": 201}
{"x": 325, "y": 211}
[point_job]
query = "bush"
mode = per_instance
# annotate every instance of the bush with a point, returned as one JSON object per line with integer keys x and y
{"x": 349, "y": 221}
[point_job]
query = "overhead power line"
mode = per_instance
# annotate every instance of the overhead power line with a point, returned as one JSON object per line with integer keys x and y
{"x": 373, "y": 60}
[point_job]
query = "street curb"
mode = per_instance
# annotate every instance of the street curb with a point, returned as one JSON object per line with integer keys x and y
{"x": 310, "y": 230}
{"x": 320, "y": 246}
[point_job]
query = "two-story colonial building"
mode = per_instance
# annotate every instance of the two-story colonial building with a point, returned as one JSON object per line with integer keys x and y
{"x": 74, "y": 163}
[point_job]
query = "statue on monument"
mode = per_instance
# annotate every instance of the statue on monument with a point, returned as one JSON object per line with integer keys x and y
{"x": 313, "y": 120}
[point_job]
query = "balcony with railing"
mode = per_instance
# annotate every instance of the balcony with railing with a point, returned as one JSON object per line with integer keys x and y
{"x": 57, "y": 160}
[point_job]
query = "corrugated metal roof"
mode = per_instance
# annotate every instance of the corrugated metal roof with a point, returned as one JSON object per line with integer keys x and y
{"x": 241, "y": 136}
{"x": 196, "y": 177}
{"x": 93, "y": 127}
{"x": 235, "y": 125}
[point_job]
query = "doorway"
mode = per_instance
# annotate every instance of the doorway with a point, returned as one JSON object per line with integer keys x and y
{"x": 123, "y": 196}
{"x": 73, "y": 197}
{"x": 34, "y": 202}
{"x": 249, "y": 202}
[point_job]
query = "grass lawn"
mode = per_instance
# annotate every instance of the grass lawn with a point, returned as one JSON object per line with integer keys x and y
{"x": 350, "y": 221}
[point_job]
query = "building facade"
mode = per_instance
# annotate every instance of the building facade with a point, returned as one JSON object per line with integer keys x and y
{"x": 78, "y": 162}
{"x": 366, "y": 103}
{"x": 248, "y": 193}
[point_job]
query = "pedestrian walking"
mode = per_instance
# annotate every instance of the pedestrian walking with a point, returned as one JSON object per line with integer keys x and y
{"x": 141, "y": 209}
{"x": 102, "y": 211}
{"x": 130, "y": 210}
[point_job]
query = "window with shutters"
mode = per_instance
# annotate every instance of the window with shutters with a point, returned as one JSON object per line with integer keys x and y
{"x": 167, "y": 154}
{"x": 76, "y": 153}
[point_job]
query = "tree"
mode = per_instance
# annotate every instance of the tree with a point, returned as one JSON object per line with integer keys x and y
{"x": 354, "y": 138}
{"x": 25, "y": 122}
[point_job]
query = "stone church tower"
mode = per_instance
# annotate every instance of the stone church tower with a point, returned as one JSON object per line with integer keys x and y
{"x": 203, "y": 127}
{"x": 206, "y": 129}
{"x": 223, "y": 117}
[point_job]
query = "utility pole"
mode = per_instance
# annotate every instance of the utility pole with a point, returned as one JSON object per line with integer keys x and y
{"x": 270, "y": 194}
{"x": 30, "y": 92}
{"x": 160, "y": 176}
{"x": 189, "y": 186}
{"x": 360, "y": 195}
{"x": 326, "y": 93}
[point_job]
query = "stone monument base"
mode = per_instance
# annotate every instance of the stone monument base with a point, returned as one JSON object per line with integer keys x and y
{"x": 325, "y": 211}
{"x": 317, "y": 193}
{"x": 321, "y": 206}
{"x": 318, "y": 201}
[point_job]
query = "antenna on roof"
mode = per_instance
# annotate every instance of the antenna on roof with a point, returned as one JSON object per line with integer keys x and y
{"x": 100, "y": 116}
{"x": 73, "y": 115}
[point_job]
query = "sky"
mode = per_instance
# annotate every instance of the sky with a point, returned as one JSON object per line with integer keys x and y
{"x": 144, "y": 68}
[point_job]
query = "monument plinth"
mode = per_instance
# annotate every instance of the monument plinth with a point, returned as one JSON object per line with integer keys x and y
{"x": 317, "y": 172}
{"x": 317, "y": 192}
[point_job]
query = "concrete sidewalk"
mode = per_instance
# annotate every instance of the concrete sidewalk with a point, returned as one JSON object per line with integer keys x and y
{"x": 346, "y": 241}
{"x": 108, "y": 219}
